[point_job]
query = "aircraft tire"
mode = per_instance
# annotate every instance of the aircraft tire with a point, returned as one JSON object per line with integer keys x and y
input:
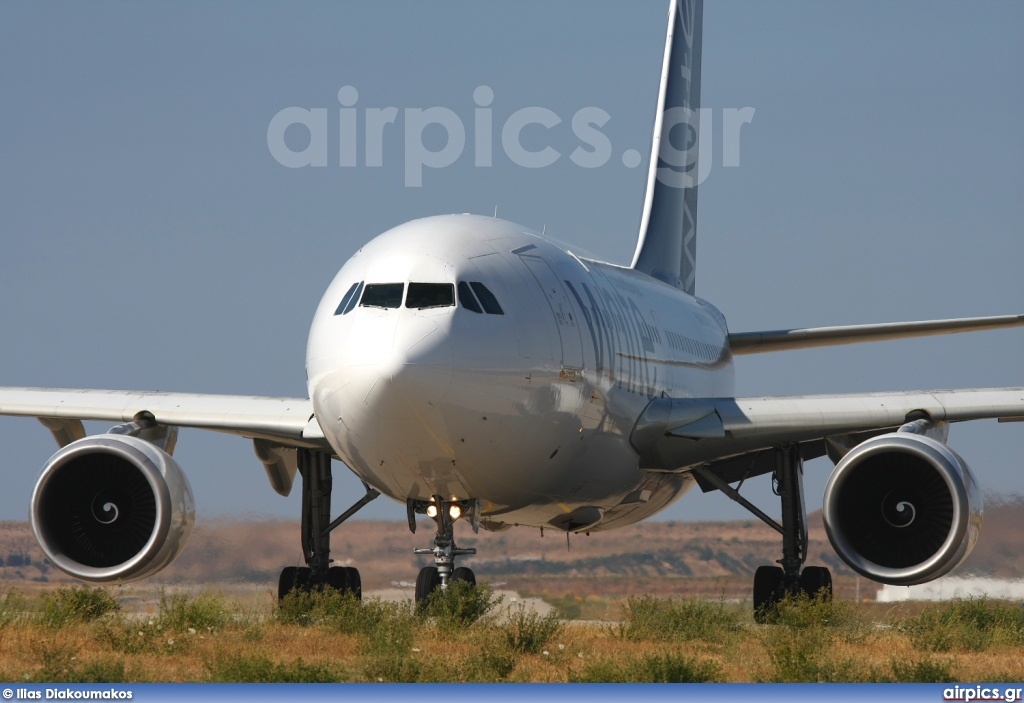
{"x": 340, "y": 579}
{"x": 355, "y": 582}
{"x": 815, "y": 581}
{"x": 292, "y": 578}
{"x": 768, "y": 591}
{"x": 427, "y": 582}
{"x": 464, "y": 573}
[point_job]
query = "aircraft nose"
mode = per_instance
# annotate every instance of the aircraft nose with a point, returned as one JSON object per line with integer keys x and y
{"x": 410, "y": 380}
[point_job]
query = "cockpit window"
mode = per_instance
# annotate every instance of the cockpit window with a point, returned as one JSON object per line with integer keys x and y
{"x": 382, "y": 295}
{"x": 487, "y": 299}
{"x": 355, "y": 299}
{"x": 467, "y": 299}
{"x": 430, "y": 295}
{"x": 345, "y": 301}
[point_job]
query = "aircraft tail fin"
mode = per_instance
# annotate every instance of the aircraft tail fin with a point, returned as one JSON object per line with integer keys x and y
{"x": 667, "y": 246}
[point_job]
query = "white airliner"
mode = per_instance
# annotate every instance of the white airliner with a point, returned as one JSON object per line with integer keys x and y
{"x": 473, "y": 370}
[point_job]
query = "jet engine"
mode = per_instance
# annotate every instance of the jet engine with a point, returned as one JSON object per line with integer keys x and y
{"x": 902, "y": 508}
{"x": 111, "y": 508}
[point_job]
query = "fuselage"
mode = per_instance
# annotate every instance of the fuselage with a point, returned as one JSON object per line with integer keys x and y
{"x": 470, "y": 358}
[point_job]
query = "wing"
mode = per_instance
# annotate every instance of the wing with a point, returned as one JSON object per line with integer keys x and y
{"x": 778, "y": 340}
{"x": 729, "y": 435}
{"x": 277, "y": 426}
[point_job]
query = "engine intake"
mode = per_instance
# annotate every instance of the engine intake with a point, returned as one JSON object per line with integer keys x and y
{"x": 111, "y": 508}
{"x": 902, "y": 508}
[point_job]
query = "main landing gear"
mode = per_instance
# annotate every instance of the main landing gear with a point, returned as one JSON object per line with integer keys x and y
{"x": 444, "y": 514}
{"x": 773, "y": 583}
{"x": 315, "y": 468}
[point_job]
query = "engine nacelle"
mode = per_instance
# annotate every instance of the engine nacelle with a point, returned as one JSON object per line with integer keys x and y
{"x": 111, "y": 508}
{"x": 902, "y": 508}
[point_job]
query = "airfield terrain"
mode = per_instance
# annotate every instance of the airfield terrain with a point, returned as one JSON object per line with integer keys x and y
{"x": 661, "y": 601}
{"x": 664, "y": 558}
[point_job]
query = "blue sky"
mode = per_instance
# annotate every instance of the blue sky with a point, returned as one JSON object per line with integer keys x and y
{"x": 149, "y": 240}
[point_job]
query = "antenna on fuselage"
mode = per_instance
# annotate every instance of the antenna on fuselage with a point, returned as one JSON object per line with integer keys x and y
{"x": 545, "y": 230}
{"x": 495, "y": 212}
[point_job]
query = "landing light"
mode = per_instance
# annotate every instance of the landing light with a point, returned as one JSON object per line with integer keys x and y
{"x": 455, "y": 511}
{"x": 432, "y": 511}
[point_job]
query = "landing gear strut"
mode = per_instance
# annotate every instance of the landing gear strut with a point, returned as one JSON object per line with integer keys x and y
{"x": 444, "y": 514}
{"x": 773, "y": 583}
{"x": 315, "y": 468}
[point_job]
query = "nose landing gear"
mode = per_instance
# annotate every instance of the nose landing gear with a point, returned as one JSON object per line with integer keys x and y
{"x": 444, "y": 514}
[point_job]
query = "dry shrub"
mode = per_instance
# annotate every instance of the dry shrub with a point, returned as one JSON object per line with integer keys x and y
{"x": 526, "y": 631}
{"x": 238, "y": 668}
{"x": 801, "y": 640}
{"x": 663, "y": 667}
{"x": 76, "y": 604}
{"x": 967, "y": 625}
{"x": 666, "y": 620}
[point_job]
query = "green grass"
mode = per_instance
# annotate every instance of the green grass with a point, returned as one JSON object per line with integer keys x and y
{"x": 967, "y": 625}
{"x": 568, "y": 607}
{"x": 75, "y": 604}
{"x": 801, "y": 637}
{"x": 394, "y": 667}
{"x": 137, "y": 636}
{"x": 59, "y": 663}
{"x": 573, "y": 607}
{"x": 664, "y": 667}
{"x": 182, "y": 618}
{"x": 80, "y": 634}
{"x": 656, "y": 619}
{"x": 804, "y": 656}
{"x": 13, "y": 607}
{"x": 386, "y": 631}
{"x": 327, "y": 608}
{"x": 321, "y": 607}
{"x": 839, "y": 617}
{"x": 184, "y": 613}
{"x": 458, "y": 606}
{"x": 259, "y": 669}
{"x": 802, "y": 645}
{"x": 926, "y": 670}
{"x": 526, "y": 631}
{"x": 493, "y": 662}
